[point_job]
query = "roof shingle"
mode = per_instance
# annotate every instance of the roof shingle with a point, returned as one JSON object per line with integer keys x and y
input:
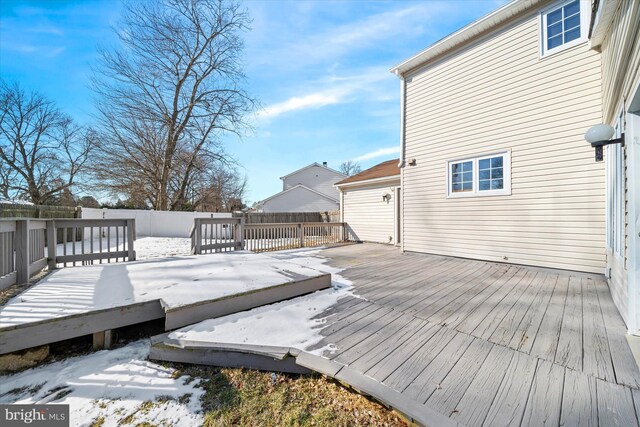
{"x": 381, "y": 170}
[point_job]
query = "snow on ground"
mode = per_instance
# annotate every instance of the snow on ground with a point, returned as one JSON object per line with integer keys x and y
{"x": 110, "y": 384}
{"x": 176, "y": 281}
{"x": 294, "y": 323}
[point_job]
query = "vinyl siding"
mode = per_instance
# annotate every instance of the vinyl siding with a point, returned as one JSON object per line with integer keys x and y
{"x": 299, "y": 200}
{"x": 369, "y": 218}
{"x": 498, "y": 95}
{"x": 316, "y": 177}
{"x": 620, "y": 73}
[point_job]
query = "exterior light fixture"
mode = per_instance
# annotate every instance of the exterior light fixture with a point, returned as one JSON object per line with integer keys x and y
{"x": 386, "y": 196}
{"x": 599, "y": 136}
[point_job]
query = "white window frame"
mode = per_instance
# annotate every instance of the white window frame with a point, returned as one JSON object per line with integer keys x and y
{"x": 476, "y": 192}
{"x": 585, "y": 11}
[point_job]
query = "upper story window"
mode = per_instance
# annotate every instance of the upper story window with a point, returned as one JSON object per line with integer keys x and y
{"x": 563, "y": 25}
{"x": 480, "y": 176}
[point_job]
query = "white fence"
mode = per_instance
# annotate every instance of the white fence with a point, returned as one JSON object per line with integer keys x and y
{"x": 154, "y": 223}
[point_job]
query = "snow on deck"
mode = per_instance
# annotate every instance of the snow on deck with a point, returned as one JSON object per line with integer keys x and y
{"x": 294, "y": 323}
{"x": 176, "y": 281}
{"x": 113, "y": 385}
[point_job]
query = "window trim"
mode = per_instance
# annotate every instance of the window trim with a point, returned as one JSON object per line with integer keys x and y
{"x": 506, "y": 176}
{"x": 585, "y": 7}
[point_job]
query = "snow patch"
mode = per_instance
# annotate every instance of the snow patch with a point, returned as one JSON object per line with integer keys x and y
{"x": 177, "y": 281}
{"x": 294, "y": 323}
{"x": 112, "y": 384}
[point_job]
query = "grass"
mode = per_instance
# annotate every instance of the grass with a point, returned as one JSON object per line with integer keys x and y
{"x": 252, "y": 398}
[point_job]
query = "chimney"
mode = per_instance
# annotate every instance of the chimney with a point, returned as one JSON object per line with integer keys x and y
{"x": 324, "y": 164}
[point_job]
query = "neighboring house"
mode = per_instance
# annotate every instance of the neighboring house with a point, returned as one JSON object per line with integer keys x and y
{"x": 309, "y": 189}
{"x": 494, "y": 164}
{"x": 369, "y": 203}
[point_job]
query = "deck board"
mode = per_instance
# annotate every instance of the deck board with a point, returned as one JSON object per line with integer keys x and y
{"x": 615, "y": 405}
{"x": 431, "y": 377}
{"x": 510, "y": 323}
{"x": 569, "y": 352}
{"x": 510, "y": 401}
{"x": 597, "y": 362}
{"x": 579, "y": 401}
{"x": 474, "y": 405}
{"x": 545, "y": 396}
{"x": 545, "y": 342}
{"x": 526, "y": 332}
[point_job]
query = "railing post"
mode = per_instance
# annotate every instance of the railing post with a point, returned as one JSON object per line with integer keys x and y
{"x": 196, "y": 237}
{"x": 239, "y": 233}
{"x": 52, "y": 245}
{"x": 301, "y": 234}
{"x": 22, "y": 251}
{"x": 131, "y": 227}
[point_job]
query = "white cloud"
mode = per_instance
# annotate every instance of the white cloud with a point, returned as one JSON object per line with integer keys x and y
{"x": 378, "y": 153}
{"x": 335, "y": 90}
{"x": 313, "y": 100}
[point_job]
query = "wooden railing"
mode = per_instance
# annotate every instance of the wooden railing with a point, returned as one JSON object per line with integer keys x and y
{"x": 229, "y": 234}
{"x": 216, "y": 235}
{"x": 277, "y": 237}
{"x": 22, "y": 253}
{"x": 86, "y": 241}
{"x": 25, "y": 248}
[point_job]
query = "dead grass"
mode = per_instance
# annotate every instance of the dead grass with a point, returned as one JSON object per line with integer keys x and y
{"x": 252, "y": 398}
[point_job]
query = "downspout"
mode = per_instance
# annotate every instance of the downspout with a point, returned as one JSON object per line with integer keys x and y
{"x": 402, "y": 118}
{"x": 401, "y": 164}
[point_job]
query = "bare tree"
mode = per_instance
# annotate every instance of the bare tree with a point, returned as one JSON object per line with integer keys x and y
{"x": 168, "y": 95}
{"x": 42, "y": 151}
{"x": 350, "y": 168}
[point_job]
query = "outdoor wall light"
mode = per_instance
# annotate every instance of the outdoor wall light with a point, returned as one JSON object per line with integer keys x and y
{"x": 599, "y": 136}
{"x": 386, "y": 197}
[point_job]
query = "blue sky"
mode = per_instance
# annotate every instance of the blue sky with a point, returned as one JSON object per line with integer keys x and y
{"x": 320, "y": 70}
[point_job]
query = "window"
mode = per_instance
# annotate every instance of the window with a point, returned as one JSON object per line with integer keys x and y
{"x": 563, "y": 25}
{"x": 479, "y": 176}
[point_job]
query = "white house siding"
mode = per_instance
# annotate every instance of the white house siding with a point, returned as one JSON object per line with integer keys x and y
{"x": 620, "y": 74}
{"x": 316, "y": 177}
{"x": 299, "y": 200}
{"x": 495, "y": 95}
{"x": 369, "y": 218}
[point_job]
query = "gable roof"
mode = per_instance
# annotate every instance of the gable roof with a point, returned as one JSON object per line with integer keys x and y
{"x": 468, "y": 33}
{"x": 295, "y": 187}
{"x": 381, "y": 170}
{"x": 310, "y": 166}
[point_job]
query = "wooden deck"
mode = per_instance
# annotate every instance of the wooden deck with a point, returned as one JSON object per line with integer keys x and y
{"x": 486, "y": 343}
{"x": 450, "y": 341}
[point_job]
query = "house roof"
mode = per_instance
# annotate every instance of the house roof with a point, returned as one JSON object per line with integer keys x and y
{"x": 302, "y": 187}
{"x": 310, "y": 166}
{"x": 381, "y": 170}
{"x": 466, "y": 34}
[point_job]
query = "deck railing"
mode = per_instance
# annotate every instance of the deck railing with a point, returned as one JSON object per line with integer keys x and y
{"x": 277, "y": 237}
{"x": 229, "y": 234}
{"x": 27, "y": 246}
{"x": 22, "y": 250}
{"x": 216, "y": 235}
{"x": 85, "y": 241}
